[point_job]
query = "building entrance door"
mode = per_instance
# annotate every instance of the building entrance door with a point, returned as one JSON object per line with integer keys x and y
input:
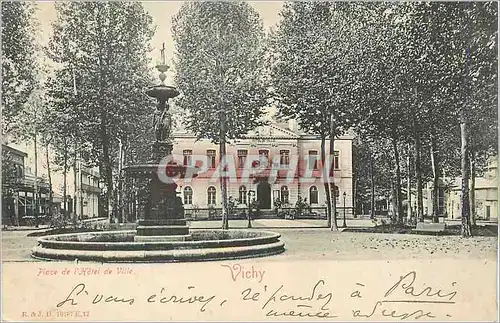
{"x": 264, "y": 195}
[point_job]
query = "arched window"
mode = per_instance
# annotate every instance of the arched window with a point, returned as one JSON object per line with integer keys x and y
{"x": 188, "y": 195}
{"x": 284, "y": 195}
{"x": 243, "y": 194}
{"x": 313, "y": 195}
{"x": 211, "y": 195}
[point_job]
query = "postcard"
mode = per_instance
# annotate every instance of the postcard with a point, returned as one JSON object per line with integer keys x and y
{"x": 249, "y": 161}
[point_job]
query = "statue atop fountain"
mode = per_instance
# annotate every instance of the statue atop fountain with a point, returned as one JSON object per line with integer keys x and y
{"x": 162, "y": 124}
{"x": 162, "y": 119}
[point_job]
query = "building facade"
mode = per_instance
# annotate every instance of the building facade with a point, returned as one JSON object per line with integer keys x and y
{"x": 24, "y": 196}
{"x": 88, "y": 191}
{"x": 290, "y": 168}
{"x": 486, "y": 195}
{"x": 19, "y": 205}
{"x": 449, "y": 192}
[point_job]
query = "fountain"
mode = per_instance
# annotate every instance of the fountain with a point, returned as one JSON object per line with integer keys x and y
{"x": 163, "y": 235}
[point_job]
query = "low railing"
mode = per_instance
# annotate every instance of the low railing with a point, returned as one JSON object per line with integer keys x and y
{"x": 317, "y": 212}
{"x": 214, "y": 214}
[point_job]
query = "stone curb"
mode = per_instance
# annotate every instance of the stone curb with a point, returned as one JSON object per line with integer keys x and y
{"x": 255, "y": 244}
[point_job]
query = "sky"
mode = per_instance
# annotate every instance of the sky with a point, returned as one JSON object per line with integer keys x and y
{"x": 161, "y": 13}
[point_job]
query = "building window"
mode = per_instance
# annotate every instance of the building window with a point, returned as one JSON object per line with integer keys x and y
{"x": 243, "y": 195}
{"x": 188, "y": 157}
{"x": 285, "y": 195}
{"x": 188, "y": 195}
{"x": 264, "y": 155}
{"x": 284, "y": 157}
{"x": 335, "y": 162}
{"x": 313, "y": 195}
{"x": 313, "y": 159}
{"x": 242, "y": 157}
{"x": 211, "y": 195}
{"x": 211, "y": 158}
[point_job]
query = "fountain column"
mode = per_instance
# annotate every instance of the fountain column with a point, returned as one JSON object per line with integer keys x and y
{"x": 164, "y": 218}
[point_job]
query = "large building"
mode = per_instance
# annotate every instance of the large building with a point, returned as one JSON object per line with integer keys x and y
{"x": 283, "y": 145}
{"x": 18, "y": 205}
{"x": 87, "y": 193}
{"x": 449, "y": 193}
{"x": 486, "y": 195}
{"x": 22, "y": 198}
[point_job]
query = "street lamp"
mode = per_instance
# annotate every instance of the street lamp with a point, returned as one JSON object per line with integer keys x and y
{"x": 344, "y": 225}
{"x": 251, "y": 205}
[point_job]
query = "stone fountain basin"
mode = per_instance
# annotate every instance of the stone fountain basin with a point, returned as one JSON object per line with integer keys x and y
{"x": 119, "y": 246}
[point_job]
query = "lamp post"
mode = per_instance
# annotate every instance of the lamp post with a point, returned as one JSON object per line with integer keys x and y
{"x": 344, "y": 225}
{"x": 251, "y": 205}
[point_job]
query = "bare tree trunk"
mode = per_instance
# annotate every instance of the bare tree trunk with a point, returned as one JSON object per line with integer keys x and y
{"x": 65, "y": 179}
{"x": 326, "y": 183}
{"x": 334, "y": 226}
{"x": 472, "y": 193}
{"x": 408, "y": 185}
{"x": 75, "y": 187}
{"x": 354, "y": 200}
{"x": 35, "y": 193}
{"x": 397, "y": 188}
{"x": 465, "y": 163}
{"x": 81, "y": 189}
{"x": 223, "y": 179}
{"x": 418, "y": 175}
{"x": 372, "y": 186}
{"x": 464, "y": 199}
{"x": 108, "y": 170}
{"x": 435, "y": 182}
{"x": 106, "y": 162}
{"x": 49, "y": 177}
{"x": 119, "y": 195}
{"x": 394, "y": 202}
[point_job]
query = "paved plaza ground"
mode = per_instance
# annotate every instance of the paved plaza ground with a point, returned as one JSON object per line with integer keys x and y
{"x": 308, "y": 240}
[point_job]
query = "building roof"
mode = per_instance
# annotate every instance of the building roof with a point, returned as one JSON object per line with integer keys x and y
{"x": 14, "y": 151}
{"x": 272, "y": 130}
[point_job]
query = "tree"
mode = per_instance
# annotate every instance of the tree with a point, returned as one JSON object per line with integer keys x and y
{"x": 484, "y": 100}
{"x": 30, "y": 129}
{"x": 100, "y": 49}
{"x": 18, "y": 60}
{"x": 315, "y": 74}
{"x": 470, "y": 48}
{"x": 371, "y": 169}
{"x": 220, "y": 75}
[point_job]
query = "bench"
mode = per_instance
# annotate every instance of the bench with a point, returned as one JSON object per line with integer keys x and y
{"x": 430, "y": 227}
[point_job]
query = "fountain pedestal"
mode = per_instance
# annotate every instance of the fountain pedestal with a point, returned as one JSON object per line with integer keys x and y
{"x": 164, "y": 221}
{"x": 164, "y": 218}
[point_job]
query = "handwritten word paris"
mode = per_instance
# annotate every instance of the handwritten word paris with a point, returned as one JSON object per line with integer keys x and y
{"x": 421, "y": 299}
